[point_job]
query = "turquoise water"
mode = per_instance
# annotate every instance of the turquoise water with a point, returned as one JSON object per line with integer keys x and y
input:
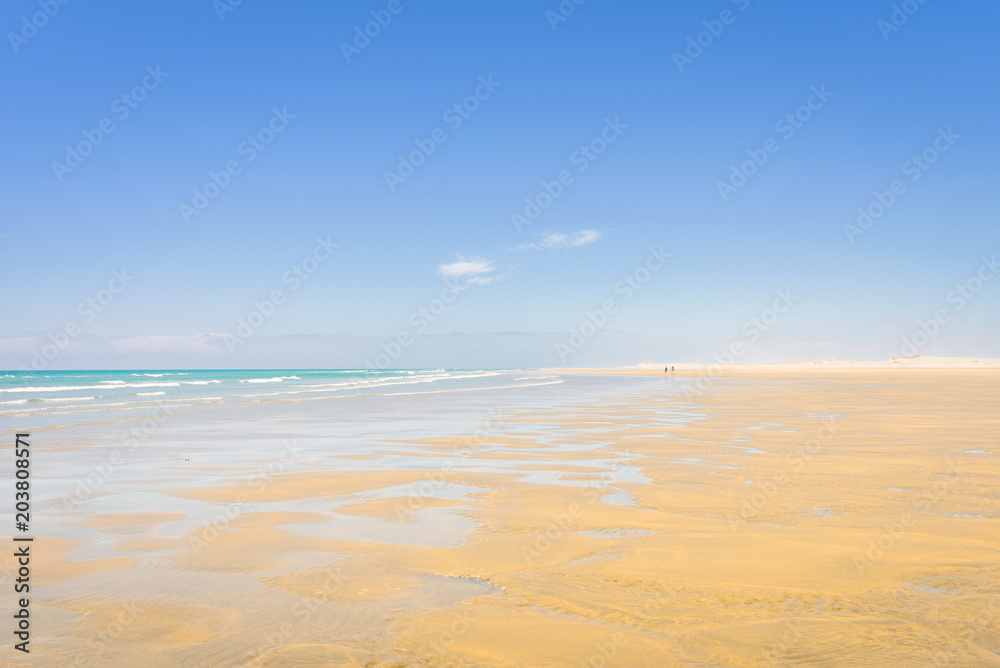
{"x": 29, "y": 393}
{"x": 106, "y": 442}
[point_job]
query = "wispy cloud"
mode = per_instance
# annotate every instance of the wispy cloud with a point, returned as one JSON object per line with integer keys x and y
{"x": 474, "y": 268}
{"x": 554, "y": 240}
{"x": 205, "y": 342}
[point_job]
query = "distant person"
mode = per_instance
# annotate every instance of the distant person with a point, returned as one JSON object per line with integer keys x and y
{"x": 666, "y": 369}
{"x": 671, "y": 369}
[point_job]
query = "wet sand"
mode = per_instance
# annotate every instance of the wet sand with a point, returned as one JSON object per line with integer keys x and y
{"x": 830, "y": 518}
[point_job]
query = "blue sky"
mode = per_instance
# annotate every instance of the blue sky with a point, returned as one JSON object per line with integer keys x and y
{"x": 329, "y": 126}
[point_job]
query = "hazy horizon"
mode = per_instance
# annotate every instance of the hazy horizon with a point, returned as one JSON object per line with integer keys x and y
{"x": 475, "y": 186}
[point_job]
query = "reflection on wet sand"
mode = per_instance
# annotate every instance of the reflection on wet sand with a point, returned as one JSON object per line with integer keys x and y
{"x": 811, "y": 520}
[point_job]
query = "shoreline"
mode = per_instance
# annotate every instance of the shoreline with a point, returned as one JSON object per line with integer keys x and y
{"x": 718, "y": 369}
{"x": 508, "y": 525}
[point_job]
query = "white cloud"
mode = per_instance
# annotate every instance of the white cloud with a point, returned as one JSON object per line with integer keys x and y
{"x": 473, "y": 266}
{"x": 206, "y": 342}
{"x": 554, "y": 240}
{"x": 18, "y": 344}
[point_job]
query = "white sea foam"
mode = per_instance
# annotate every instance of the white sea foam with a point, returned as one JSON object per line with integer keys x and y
{"x": 68, "y": 399}
{"x": 70, "y": 388}
{"x": 276, "y": 379}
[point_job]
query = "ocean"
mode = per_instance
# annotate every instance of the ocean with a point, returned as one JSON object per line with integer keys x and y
{"x": 30, "y": 394}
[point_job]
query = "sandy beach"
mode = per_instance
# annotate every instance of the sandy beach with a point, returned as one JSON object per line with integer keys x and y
{"x": 560, "y": 334}
{"x": 766, "y": 516}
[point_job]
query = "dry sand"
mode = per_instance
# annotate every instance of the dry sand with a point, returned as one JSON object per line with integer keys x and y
{"x": 843, "y": 517}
